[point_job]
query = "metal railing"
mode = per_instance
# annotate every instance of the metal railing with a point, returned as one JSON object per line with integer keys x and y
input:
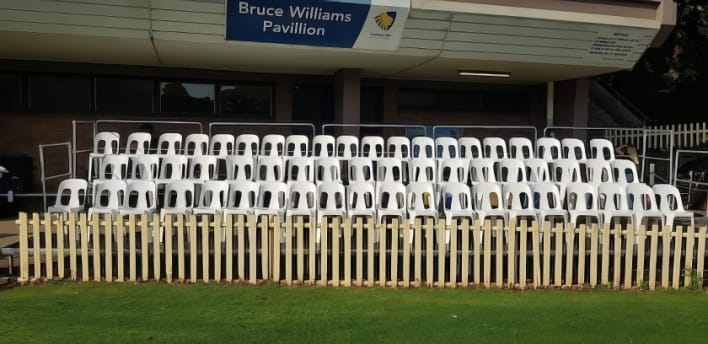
{"x": 400, "y": 126}
{"x": 44, "y": 178}
{"x": 260, "y": 124}
{"x": 495, "y": 127}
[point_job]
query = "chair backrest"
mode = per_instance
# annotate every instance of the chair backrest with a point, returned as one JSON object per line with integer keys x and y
{"x": 537, "y": 170}
{"x": 106, "y": 142}
{"x": 138, "y": 143}
{"x": 202, "y": 167}
{"x": 421, "y": 196}
{"x": 641, "y": 197}
{"x": 602, "y": 149}
{"x": 179, "y": 194}
{"x": 398, "y": 147}
{"x": 360, "y": 196}
{"x": 624, "y": 171}
{"x": 240, "y": 167}
{"x": 173, "y": 167}
{"x": 389, "y": 170}
{"x": 581, "y": 196}
{"x": 521, "y": 148}
{"x": 361, "y": 170}
{"x": 511, "y": 171}
{"x": 347, "y": 146}
{"x": 169, "y": 144}
{"x": 456, "y": 196}
{"x": 453, "y": 171}
{"x": 71, "y": 193}
{"x": 109, "y": 194}
{"x": 391, "y": 196}
{"x": 612, "y": 197}
{"x": 247, "y": 144}
{"x": 243, "y": 194}
{"x": 327, "y": 170}
{"x": 331, "y": 196}
{"x": 297, "y": 145}
{"x": 270, "y": 168}
{"x": 598, "y": 172}
{"x": 482, "y": 171}
{"x": 214, "y": 194}
{"x": 422, "y": 147}
{"x": 302, "y": 196}
{"x": 422, "y": 170}
{"x": 272, "y": 195}
{"x": 140, "y": 195}
{"x": 495, "y": 148}
{"x": 470, "y": 148}
{"x": 668, "y": 198}
{"x": 300, "y": 169}
{"x": 198, "y": 144}
{"x": 372, "y": 147}
{"x": 273, "y": 145}
{"x": 323, "y": 146}
{"x": 222, "y": 145}
{"x": 546, "y": 196}
{"x": 518, "y": 196}
{"x": 566, "y": 171}
{"x": 114, "y": 166}
{"x": 548, "y": 148}
{"x": 144, "y": 167}
{"x": 488, "y": 196}
{"x": 573, "y": 149}
{"x": 446, "y": 148}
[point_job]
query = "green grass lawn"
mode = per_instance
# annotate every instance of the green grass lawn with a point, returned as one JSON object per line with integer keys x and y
{"x": 60, "y": 312}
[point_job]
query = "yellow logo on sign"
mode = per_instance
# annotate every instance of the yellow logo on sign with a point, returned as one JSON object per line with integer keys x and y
{"x": 385, "y": 20}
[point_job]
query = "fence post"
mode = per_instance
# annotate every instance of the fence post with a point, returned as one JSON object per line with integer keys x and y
{"x": 417, "y": 255}
{"x": 536, "y": 254}
{"x": 335, "y": 250}
{"x": 72, "y": 244}
{"x": 616, "y": 277}
{"x": 300, "y": 236}
{"x": 690, "y": 235}
{"x": 217, "y": 247}
{"x": 229, "y": 247}
{"x": 678, "y": 241}
{"x": 641, "y": 254}
{"x": 252, "y": 249}
{"x": 465, "y": 271}
{"x": 168, "y": 248}
{"x": 511, "y": 253}
{"x": 406, "y": 253}
{"x": 569, "y": 253}
{"x": 347, "y": 233}
{"x": 442, "y": 254}
{"x": 155, "y": 227}
{"x": 108, "y": 231}
{"x": 22, "y": 221}
{"x": 241, "y": 246}
{"x": 180, "y": 248}
{"x": 523, "y": 239}
{"x": 288, "y": 251}
{"x": 144, "y": 247}
{"x": 131, "y": 247}
{"x": 36, "y": 241}
{"x": 83, "y": 222}
{"x": 359, "y": 251}
{"x": 48, "y": 246}
{"x": 429, "y": 253}
{"x": 629, "y": 257}
{"x": 653, "y": 256}
{"x": 701, "y": 251}
{"x": 453, "y": 251}
{"x": 547, "y": 254}
{"x": 487, "y": 253}
{"x": 499, "y": 275}
{"x": 666, "y": 256}
{"x": 370, "y": 236}
{"x": 324, "y": 230}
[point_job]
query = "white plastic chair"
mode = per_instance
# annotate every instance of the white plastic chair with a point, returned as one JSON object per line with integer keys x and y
{"x": 347, "y": 146}
{"x": 323, "y": 146}
{"x": 107, "y": 197}
{"x": 642, "y": 202}
{"x": 518, "y": 199}
{"x": 138, "y": 143}
{"x": 361, "y": 200}
{"x": 71, "y": 196}
{"x": 144, "y": 167}
{"x": 372, "y": 147}
{"x": 565, "y": 171}
{"x": 173, "y": 167}
{"x": 548, "y": 148}
{"x": 598, "y": 172}
{"x": 302, "y": 199}
{"x": 582, "y": 202}
{"x": 511, "y": 171}
{"x": 547, "y": 202}
{"x": 398, "y": 147}
{"x": 453, "y": 171}
{"x": 361, "y": 170}
{"x": 270, "y": 169}
{"x": 331, "y": 200}
{"x": 222, "y": 145}
{"x": 327, "y": 170}
{"x": 495, "y": 148}
{"x": 300, "y": 169}
{"x": 573, "y": 149}
{"x": 140, "y": 198}
{"x": 212, "y": 198}
{"x": 446, "y": 148}
{"x": 104, "y": 143}
{"x": 422, "y": 147}
{"x": 537, "y": 170}
{"x": 243, "y": 198}
{"x": 273, "y": 145}
{"x": 521, "y": 148}
{"x": 489, "y": 201}
{"x": 272, "y": 199}
{"x": 612, "y": 202}
{"x": 624, "y": 171}
{"x": 202, "y": 168}
{"x": 297, "y": 145}
{"x": 421, "y": 201}
{"x": 456, "y": 201}
{"x": 178, "y": 198}
{"x": 602, "y": 149}
{"x": 482, "y": 171}
{"x": 422, "y": 171}
{"x": 470, "y": 148}
{"x": 670, "y": 204}
{"x": 247, "y": 144}
{"x": 389, "y": 170}
{"x": 114, "y": 166}
{"x": 169, "y": 144}
{"x": 390, "y": 201}
{"x": 198, "y": 144}
{"x": 240, "y": 167}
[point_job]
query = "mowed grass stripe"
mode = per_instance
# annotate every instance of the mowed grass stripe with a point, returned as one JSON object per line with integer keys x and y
{"x": 217, "y": 313}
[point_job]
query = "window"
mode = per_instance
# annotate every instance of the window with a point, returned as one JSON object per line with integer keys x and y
{"x": 10, "y": 93}
{"x": 463, "y": 101}
{"x": 49, "y": 93}
{"x": 181, "y": 97}
{"x": 246, "y": 100}
{"x": 313, "y": 103}
{"x": 120, "y": 95}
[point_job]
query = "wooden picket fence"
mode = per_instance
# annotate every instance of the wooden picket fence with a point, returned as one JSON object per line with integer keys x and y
{"x": 357, "y": 252}
{"x": 687, "y": 135}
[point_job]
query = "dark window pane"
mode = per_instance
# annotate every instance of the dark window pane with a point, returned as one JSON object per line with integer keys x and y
{"x": 180, "y": 97}
{"x": 473, "y": 101}
{"x": 10, "y": 93}
{"x": 247, "y": 100}
{"x": 60, "y": 93}
{"x": 114, "y": 95}
{"x": 313, "y": 103}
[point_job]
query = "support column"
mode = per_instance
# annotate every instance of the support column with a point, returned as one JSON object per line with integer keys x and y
{"x": 347, "y": 93}
{"x": 549, "y": 103}
{"x": 283, "y": 101}
{"x": 572, "y": 105}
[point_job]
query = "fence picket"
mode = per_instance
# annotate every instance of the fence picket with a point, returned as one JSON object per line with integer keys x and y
{"x": 72, "y": 244}
{"x": 487, "y": 242}
{"x": 666, "y": 256}
{"x": 335, "y": 251}
{"x": 547, "y": 253}
{"x": 442, "y": 253}
{"x": 61, "y": 256}
{"x": 241, "y": 246}
{"x": 120, "y": 247}
{"x": 523, "y": 239}
{"x": 23, "y": 222}
{"x": 370, "y": 238}
{"x": 582, "y": 252}
{"x": 701, "y": 249}
{"x": 288, "y": 251}
{"x": 347, "y": 234}
{"x": 465, "y": 260}
{"x": 324, "y": 232}
{"x": 453, "y": 252}
{"x": 218, "y": 223}
{"x": 108, "y": 231}
{"x": 499, "y": 254}
{"x": 594, "y": 234}
{"x": 312, "y": 253}
{"x": 229, "y": 247}
{"x": 511, "y": 254}
{"x": 131, "y": 246}
{"x": 155, "y": 227}
{"x": 204, "y": 229}
{"x": 605, "y": 267}
{"x": 36, "y": 244}
{"x": 417, "y": 256}
{"x": 180, "y": 248}
{"x": 252, "y": 250}
{"x": 96, "y": 252}
{"x": 359, "y": 229}
{"x": 628, "y": 257}
{"x": 168, "y": 247}
{"x": 569, "y": 254}
{"x": 394, "y": 252}
{"x": 678, "y": 241}
{"x": 49, "y": 264}
{"x": 266, "y": 239}
{"x": 653, "y": 256}
{"x": 429, "y": 234}
{"x": 536, "y": 255}
{"x": 641, "y": 252}
{"x": 144, "y": 248}
{"x": 477, "y": 234}
{"x": 617, "y": 256}
{"x": 84, "y": 247}
{"x": 558, "y": 269}
{"x": 300, "y": 238}
{"x": 690, "y": 235}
